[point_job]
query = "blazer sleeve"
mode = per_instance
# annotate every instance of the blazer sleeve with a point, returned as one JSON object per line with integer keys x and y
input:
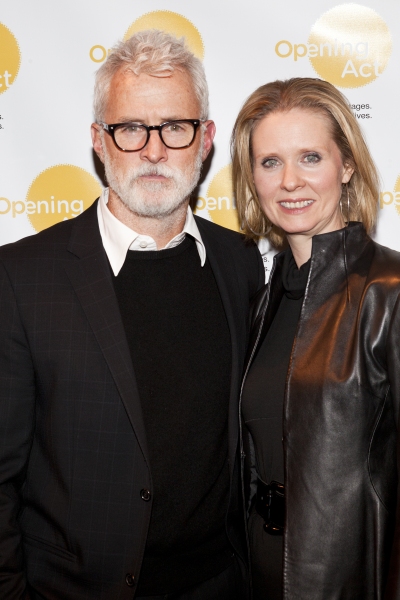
{"x": 17, "y": 408}
{"x": 393, "y": 364}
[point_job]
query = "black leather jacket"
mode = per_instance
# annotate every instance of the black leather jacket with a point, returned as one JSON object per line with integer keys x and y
{"x": 341, "y": 410}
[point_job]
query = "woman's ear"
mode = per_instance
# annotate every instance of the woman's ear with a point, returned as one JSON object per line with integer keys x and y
{"x": 347, "y": 173}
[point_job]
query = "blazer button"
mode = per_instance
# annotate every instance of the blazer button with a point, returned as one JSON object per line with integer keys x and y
{"x": 130, "y": 580}
{"x": 145, "y": 495}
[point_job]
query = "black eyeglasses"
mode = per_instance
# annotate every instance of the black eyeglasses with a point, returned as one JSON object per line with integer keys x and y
{"x": 131, "y": 137}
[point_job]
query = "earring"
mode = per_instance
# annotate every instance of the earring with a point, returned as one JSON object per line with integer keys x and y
{"x": 246, "y": 223}
{"x": 346, "y": 221}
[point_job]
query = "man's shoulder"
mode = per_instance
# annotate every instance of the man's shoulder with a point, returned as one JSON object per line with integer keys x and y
{"x": 48, "y": 241}
{"x": 53, "y": 235}
{"x": 222, "y": 234}
{"x": 237, "y": 255}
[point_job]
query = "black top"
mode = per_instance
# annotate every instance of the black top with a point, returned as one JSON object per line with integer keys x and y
{"x": 181, "y": 352}
{"x": 262, "y": 407}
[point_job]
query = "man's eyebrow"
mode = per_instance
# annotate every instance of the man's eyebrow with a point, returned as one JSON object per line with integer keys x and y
{"x": 125, "y": 119}
{"x": 173, "y": 118}
{"x": 129, "y": 120}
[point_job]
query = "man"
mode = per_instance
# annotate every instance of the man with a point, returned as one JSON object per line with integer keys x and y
{"x": 122, "y": 334}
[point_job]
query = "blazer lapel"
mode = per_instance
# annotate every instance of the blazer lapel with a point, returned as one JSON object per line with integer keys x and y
{"x": 90, "y": 277}
{"x": 226, "y": 279}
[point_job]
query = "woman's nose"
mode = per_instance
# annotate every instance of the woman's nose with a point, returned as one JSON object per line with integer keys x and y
{"x": 291, "y": 178}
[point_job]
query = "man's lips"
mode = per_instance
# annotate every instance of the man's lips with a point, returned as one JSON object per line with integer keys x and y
{"x": 156, "y": 177}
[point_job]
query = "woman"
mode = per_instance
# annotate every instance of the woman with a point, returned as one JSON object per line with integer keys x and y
{"x": 322, "y": 386}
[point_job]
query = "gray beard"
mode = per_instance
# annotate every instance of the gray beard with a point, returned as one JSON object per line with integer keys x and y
{"x": 155, "y": 199}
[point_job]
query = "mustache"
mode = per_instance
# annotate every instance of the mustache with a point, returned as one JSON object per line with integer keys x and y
{"x": 153, "y": 170}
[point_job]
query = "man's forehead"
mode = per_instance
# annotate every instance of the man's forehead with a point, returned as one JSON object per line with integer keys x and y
{"x": 173, "y": 89}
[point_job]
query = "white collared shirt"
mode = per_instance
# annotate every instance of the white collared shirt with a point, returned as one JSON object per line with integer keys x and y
{"x": 118, "y": 238}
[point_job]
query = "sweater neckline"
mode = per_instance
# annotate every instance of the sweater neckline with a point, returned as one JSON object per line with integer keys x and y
{"x": 187, "y": 243}
{"x": 294, "y": 280}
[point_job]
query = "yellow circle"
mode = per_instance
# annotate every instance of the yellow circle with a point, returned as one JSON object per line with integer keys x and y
{"x": 173, "y": 23}
{"x": 59, "y": 193}
{"x": 10, "y": 58}
{"x": 103, "y": 53}
{"x": 219, "y": 202}
{"x": 350, "y": 45}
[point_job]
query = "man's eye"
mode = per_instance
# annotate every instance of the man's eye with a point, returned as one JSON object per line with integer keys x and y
{"x": 175, "y": 127}
{"x": 132, "y": 129}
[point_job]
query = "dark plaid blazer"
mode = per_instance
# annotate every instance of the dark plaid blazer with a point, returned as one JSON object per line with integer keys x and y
{"x": 73, "y": 452}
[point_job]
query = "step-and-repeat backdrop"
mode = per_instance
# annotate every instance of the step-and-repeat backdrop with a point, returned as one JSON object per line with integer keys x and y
{"x": 49, "y": 52}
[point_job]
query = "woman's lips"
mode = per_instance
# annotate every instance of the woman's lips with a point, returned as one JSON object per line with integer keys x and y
{"x": 295, "y": 204}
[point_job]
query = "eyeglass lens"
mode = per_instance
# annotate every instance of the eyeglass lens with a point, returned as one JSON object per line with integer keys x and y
{"x": 175, "y": 135}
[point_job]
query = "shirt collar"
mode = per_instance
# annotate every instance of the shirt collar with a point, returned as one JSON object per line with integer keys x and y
{"x": 118, "y": 238}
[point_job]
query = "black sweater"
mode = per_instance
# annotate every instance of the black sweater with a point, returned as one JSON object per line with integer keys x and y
{"x": 180, "y": 345}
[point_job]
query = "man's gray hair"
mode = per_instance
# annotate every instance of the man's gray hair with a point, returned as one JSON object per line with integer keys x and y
{"x": 155, "y": 53}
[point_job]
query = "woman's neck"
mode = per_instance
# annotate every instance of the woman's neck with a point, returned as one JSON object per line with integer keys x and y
{"x": 300, "y": 246}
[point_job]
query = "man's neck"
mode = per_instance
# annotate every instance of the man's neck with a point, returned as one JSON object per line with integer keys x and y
{"x": 162, "y": 230}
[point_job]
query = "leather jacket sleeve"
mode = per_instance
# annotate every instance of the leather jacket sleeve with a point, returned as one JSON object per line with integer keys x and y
{"x": 393, "y": 367}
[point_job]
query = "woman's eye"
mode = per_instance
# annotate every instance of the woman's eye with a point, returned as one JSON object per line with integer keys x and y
{"x": 269, "y": 163}
{"x": 312, "y": 158}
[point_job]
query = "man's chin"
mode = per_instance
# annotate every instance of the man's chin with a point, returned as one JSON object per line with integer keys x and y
{"x": 153, "y": 207}
{"x": 149, "y": 186}
{"x": 153, "y": 182}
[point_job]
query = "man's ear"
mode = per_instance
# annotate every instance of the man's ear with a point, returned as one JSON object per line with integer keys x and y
{"x": 209, "y": 134}
{"x": 97, "y": 141}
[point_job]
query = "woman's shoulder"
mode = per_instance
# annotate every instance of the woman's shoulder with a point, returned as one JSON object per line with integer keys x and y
{"x": 387, "y": 253}
{"x": 386, "y": 260}
{"x": 383, "y": 275}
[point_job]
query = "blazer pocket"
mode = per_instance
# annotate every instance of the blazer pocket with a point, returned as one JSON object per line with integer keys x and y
{"x": 37, "y": 542}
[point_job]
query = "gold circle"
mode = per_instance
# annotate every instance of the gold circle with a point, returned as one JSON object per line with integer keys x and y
{"x": 59, "y": 193}
{"x": 359, "y": 42}
{"x": 220, "y": 203}
{"x": 91, "y": 53}
{"x": 10, "y": 58}
{"x": 173, "y": 23}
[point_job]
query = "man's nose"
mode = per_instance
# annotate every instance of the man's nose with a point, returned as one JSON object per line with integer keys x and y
{"x": 154, "y": 151}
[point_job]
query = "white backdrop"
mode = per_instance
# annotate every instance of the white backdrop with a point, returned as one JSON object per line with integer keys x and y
{"x": 49, "y": 52}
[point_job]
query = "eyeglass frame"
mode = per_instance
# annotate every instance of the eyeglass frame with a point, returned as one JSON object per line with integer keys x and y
{"x": 110, "y": 129}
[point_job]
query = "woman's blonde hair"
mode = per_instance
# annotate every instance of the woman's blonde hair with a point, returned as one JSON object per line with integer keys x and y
{"x": 312, "y": 95}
